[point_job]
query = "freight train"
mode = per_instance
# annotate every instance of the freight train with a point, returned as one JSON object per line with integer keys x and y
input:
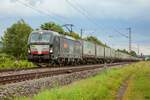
{"x": 45, "y": 46}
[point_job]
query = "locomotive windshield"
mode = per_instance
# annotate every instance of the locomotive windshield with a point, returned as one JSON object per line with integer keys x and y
{"x": 38, "y": 37}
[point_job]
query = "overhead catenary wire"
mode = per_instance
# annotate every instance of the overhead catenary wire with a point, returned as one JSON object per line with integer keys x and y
{"x": 83, "y": 13}
{"x": 39, "y": 11}
{"x": 84, "y": 10}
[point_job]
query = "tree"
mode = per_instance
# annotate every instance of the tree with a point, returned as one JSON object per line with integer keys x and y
{"x": 1, "y": 45}
{"x": 124, "y": 51}
{"x": 133, "y": 53}
{"x": 73, "y": 34}
{"x": 15, "y": 39}
{"x": 53, "y": 27}
{"x": 95, "y": 40}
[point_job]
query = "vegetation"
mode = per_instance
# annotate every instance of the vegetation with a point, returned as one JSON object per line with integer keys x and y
{"x": 1, "y": 45}
{"x": 123, "y": 51}
{"x": 52, "y": 26}
{"x": 95, "y": 40}
{"x": 15, "y": 39}
{"x": 73, "y": 34}
{"x": 147, "y": 58}
{"x": 14, "y": 47}
{"x": 132, "y": 53}
{"x": 139, "y": 84}
{"x": 9, "y": 62}
{"x": 104, "y": 86}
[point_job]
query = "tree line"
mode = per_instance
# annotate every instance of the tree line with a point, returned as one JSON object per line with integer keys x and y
{"x": 16, "y": 36}
{"x": 132, "y": 53}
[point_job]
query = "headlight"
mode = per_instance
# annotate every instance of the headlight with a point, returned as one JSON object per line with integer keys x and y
{"x": 51, "y": 50}
{"x": 29, "y": 51}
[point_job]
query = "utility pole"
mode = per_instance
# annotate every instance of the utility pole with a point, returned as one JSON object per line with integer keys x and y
{"x": 138, "y": 49}
{"x": 130, "y": 39}
{"x": 81, "y": 33}
{"x": 69, "y": 27}
{"x": 105, "y": 61}
{"x": 82, "y": 39}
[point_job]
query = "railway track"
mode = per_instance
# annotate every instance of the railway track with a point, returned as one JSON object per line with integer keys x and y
{"x": 14, "y": 78}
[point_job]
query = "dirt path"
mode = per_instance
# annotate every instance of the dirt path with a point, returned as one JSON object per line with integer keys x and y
{"x": 123, "y": 89}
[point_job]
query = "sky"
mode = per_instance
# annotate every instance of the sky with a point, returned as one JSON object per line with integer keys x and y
{"x": 105, "y": 19}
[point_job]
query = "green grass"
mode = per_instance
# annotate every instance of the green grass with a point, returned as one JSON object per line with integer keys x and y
{"x": 8, "y": 62}
{"x": 139, "y": 84}
{"x": 104, "y": 86}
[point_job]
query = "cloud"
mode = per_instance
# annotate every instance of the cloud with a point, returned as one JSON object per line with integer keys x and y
{"x": 50, "y": 7}
{"x": 124, "y": 9}
{"x": 12, "y": 8}
{"x": 117, "y": 9}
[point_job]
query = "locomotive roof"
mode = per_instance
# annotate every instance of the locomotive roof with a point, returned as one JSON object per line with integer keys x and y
{"x": 42, "y": 31}
{"x": 55, "y": 33}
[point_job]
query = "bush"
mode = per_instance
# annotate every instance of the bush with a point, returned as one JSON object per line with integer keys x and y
{"x": 9, "y": 62}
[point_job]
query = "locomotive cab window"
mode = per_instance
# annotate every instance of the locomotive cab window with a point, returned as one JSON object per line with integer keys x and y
{"x": 38, "y": 37}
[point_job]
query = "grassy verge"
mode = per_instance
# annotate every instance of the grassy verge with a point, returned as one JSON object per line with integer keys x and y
{"x": 8, "y": 62}
{"x": 139, "y": 84}
{"x": 104, "y": 86}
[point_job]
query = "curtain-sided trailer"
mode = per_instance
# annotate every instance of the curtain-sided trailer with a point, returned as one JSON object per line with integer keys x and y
{"x": 88, "y": 52}
{"x": 88, "y": 49}
{"x": 100, "y": 50}
{"x": 107, "y": 52}
{"x": 113, "y": 54}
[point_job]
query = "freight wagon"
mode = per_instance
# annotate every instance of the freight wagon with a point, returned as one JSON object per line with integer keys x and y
{"x": 89, "y": 51}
